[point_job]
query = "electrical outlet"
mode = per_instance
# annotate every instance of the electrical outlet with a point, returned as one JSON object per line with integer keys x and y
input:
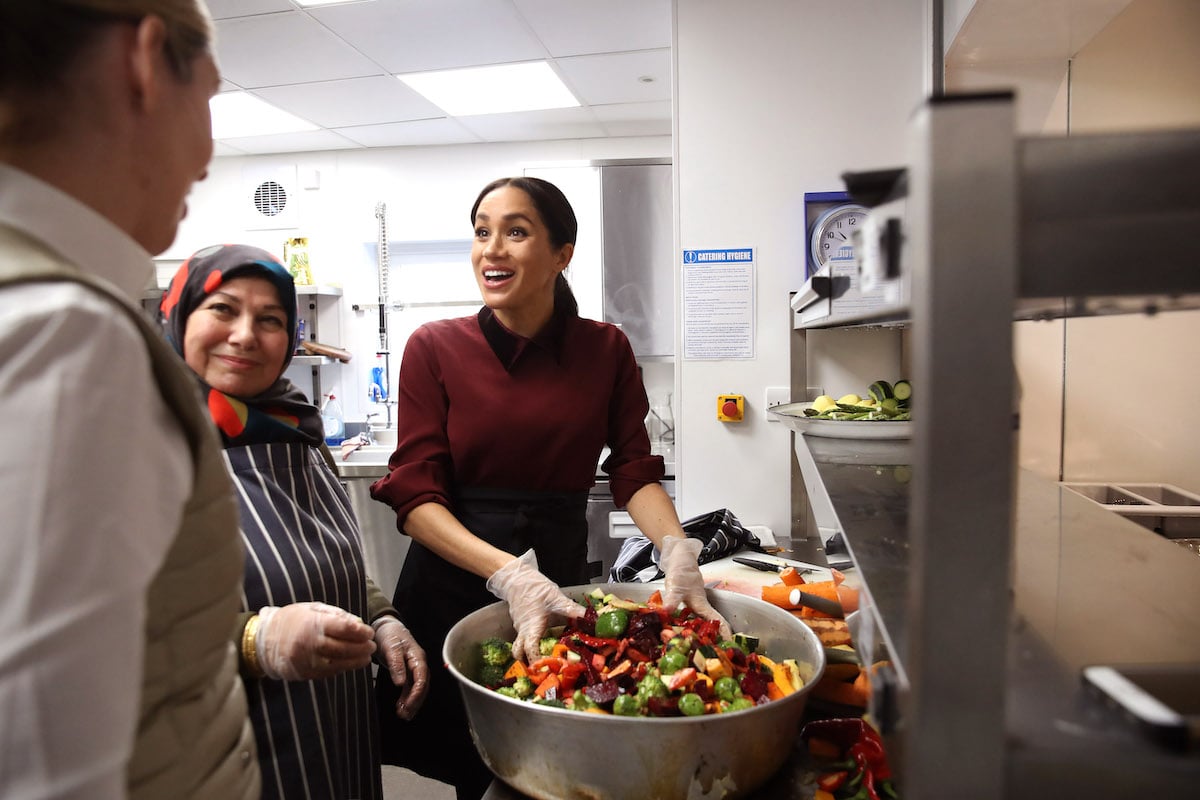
{"x": 776, "y": 396}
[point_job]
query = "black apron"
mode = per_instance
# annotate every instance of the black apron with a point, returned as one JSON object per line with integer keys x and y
{"x": 432, "y": 595}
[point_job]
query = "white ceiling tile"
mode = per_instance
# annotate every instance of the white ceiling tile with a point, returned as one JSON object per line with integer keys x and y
{"x": 575, "y": 27}
{"x": 419, "y": 132}
{"x": 292, "y": 142}
{"x": 618, "y": 77}
{"x": 277, "y": 49}
{"x": 333, "y": 65}
{"x": 222, "y": 148}
{"x": 224, "y": 9}
{"x": 354, "y": 101}
{"x": 418, "y": 35}
{"x": 558, "y": 123}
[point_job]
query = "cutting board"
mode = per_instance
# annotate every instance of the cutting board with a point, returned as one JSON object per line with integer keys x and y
{"x": 727, "y": 574}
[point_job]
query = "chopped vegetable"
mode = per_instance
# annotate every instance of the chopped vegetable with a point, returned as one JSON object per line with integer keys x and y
{"x": 495, "y": 651}
{"x": 643, "y": 660}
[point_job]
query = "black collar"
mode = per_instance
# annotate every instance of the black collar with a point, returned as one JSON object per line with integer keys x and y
{"x": 509, "y": 346}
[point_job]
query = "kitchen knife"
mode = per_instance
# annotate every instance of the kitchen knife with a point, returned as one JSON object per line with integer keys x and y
{"x": 770, "y": 566}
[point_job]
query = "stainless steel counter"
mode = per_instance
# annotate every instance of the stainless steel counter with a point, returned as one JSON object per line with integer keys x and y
{"x": 1088, "y": 587}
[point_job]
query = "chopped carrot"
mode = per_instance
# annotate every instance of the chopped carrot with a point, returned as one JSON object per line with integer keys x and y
{"x": 823, "y": 748}
{"x": 862, "y": 685}
{"x": 838, "y": 577}
{"x": 779, "y": 594}
{"x": 515, "y": 670}
{"x": 825, "y": 589}
{"x": 774, "y": 692}
{"x": 543, "y": 688}
{"x": 560, "y": 650}
{"x": 848, "y": 597}
{"x": 836, "y": 691}
{"x": 655, "y": 600}
{"x": 791, "y": 576}
{"x": 821, "y": 794}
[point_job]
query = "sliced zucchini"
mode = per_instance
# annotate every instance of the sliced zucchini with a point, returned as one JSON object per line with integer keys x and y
{"x": 902, "y": 390}
{"x": 880, "y": 390}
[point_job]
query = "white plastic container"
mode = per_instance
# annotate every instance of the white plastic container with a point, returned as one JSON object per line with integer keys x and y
{"x": 333, "y": 421}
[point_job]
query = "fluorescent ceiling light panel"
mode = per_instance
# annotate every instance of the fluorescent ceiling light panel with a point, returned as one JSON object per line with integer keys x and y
{"x": 237, "y": 114}
{"x": 322, "y": 2}
{"x": 501, "y": 89}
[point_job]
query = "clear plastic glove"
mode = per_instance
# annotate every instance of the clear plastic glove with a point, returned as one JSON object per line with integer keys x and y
{"x": 532, "y": 599}
{"x": 304, "y": 641}
{"x": 405, "y": 661}
{"x": 683, "y": 582}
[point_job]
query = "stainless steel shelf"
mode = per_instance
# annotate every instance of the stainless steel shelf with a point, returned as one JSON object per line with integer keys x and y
{"x": 1072, "y": 558}
{"x": 990, "y": 593}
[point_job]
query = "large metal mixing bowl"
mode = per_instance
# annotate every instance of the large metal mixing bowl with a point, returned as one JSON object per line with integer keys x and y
{"x": 554, "y": 754}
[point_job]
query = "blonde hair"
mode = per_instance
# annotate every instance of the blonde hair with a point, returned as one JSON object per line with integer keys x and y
{"x": 42, "y": 40}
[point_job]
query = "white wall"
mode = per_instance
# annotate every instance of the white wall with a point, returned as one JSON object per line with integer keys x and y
{"x": 428, "y": 192}
{"x": 774, "y": 98}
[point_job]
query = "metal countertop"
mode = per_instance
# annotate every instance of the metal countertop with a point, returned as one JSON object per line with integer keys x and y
{"x": 1089, "y": 587}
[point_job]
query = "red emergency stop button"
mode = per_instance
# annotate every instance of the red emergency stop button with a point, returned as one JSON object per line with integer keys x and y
{"x": 730, "y": 407}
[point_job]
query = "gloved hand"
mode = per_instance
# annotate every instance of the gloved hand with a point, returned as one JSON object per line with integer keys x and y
{"x": 683, "y": 582}
{"x": 405, "y": 661}
{"x": 532, "y": 599}
{"x": 304, "y": 641}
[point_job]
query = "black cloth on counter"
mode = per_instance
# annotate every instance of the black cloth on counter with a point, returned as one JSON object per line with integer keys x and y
{"x": 720, "y": 530}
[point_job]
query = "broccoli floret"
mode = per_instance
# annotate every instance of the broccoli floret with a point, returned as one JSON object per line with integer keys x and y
{"x": 580, "y": 701}
{"x": 508, "y": 691}
{"x": 523, "y": 686}
{"x": 546, "y": 645}
{"x": 492, "y": 675}
{"x": 651, "y": 686}
{"x": 496, "y": 651}
{"x": 553, "y": 702}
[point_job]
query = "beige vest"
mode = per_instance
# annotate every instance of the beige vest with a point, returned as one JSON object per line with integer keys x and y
{"x": 194, "y": 739}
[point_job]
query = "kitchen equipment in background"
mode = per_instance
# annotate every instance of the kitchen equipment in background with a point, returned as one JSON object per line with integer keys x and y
{"x": 295, "y": 258}
{"x": 381, "y": 372}
{"x": 638, "y": 245}
{"x": 660, "y": 425}
{"x": 333, "y": 420}
{"x": 548, "y": 752}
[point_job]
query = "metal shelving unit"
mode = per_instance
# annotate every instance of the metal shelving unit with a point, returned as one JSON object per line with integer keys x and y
{"x": 310, "y": 300}
{"x": 995, "y": 228}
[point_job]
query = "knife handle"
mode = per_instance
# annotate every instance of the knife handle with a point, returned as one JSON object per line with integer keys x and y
{"x": 817, "y": 603}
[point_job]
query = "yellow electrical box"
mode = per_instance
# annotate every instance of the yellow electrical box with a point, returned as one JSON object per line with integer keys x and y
{"x": 731, "y": 407}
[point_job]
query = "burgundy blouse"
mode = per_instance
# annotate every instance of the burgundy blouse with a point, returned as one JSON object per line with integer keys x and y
{"x": 479, "y": 406}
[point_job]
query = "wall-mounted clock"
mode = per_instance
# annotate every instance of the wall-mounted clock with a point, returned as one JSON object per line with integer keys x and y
{"x": 831, "y": 219}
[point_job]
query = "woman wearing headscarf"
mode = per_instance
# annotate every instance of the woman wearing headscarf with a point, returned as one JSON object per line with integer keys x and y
{"x": 230, "y": 312}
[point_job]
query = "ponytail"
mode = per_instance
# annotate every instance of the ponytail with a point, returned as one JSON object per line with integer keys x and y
{"x": 564, "y": 298}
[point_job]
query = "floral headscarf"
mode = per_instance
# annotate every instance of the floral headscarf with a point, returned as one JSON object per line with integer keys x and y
{"x": 280, "y": 414}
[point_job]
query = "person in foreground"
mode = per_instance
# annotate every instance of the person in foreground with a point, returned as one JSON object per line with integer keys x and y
{"x": 502, "y": 418}
{"x": 120, "y": 558}
{"x": 230, "y": 312}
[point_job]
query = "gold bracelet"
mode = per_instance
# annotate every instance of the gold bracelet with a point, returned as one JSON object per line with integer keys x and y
{"x": 249, "y": 652}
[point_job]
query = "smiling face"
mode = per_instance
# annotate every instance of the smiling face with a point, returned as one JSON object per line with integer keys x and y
{"x": 515, "y": 261}
{"x": 238, "y": 338}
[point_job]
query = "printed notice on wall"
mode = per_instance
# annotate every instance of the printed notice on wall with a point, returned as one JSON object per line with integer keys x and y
{"x": 718, "y": 303}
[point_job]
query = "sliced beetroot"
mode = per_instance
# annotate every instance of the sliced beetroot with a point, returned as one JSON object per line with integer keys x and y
{"x": 603, "y": 693}
{"x": 645, "y": 625}
{"x": 663, "y": 706}
{"x": 754, "y": 685}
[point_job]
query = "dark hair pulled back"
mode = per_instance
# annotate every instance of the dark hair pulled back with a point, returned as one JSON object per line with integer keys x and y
{"x": 558, "y": 217}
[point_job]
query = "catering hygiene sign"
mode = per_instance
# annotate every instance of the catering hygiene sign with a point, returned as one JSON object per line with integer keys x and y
{"x": 718, "y": 303}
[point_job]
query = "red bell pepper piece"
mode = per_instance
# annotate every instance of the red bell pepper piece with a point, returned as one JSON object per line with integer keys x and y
{"x": 832, "y": 781}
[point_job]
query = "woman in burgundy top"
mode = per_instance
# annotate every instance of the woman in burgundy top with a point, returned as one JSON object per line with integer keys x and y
{"x": 502, "y": 417}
